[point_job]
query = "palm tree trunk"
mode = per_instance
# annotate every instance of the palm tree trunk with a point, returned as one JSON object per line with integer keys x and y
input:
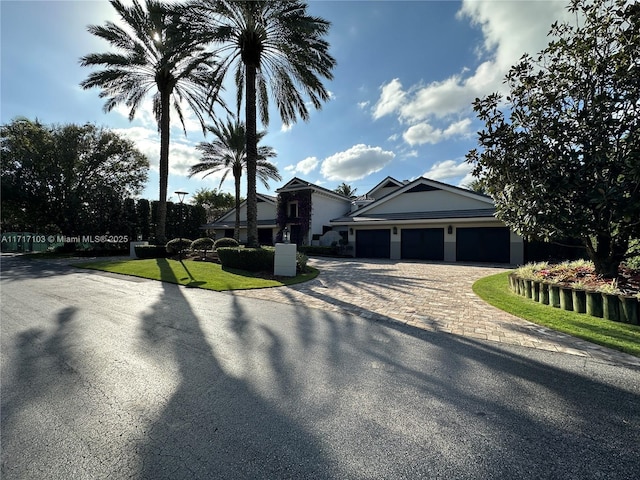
{"x": 236, "y": 229}
{"x": 252, "y": 157}
{"x": 164, "y": 167}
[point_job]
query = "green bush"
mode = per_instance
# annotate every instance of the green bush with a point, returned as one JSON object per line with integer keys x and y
{"x": 150, "y": 251}
{"x": 249, "y": 259}
{"x": 177, "y": 245}
{"x": 225, "y": 242}
{"x": 204, "y": 243}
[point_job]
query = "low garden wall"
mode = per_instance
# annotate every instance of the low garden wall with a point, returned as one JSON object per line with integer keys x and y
{"x": 619, "y": 308}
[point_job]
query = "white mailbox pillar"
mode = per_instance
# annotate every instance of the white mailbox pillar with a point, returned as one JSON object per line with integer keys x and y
{"x": 284, "y": 264}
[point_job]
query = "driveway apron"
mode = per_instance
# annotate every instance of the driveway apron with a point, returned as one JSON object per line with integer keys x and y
{"x": 429, "y": 296}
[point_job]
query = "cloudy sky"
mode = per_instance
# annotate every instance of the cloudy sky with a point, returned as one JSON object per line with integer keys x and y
{"x": 401, "y": 96}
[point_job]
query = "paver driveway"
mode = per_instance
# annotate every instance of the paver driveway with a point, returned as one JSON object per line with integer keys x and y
{"x": 429, "y": 296}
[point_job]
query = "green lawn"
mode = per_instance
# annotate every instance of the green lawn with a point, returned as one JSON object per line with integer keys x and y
{"x": 620, "y": 336}
{"x": 207, "y": 275}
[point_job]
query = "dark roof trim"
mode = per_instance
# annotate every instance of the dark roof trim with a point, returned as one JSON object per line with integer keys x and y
{"x": 296, "y": 184}
{"x": 446, "y": 214}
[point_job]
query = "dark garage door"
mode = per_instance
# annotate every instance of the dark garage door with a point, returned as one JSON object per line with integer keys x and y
{"x": 422, "y": 244}
{"x": 373, "y": 243}
{"x": 482, "y": 244}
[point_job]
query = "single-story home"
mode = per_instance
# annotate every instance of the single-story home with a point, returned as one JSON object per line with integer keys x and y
{"x": 423, "y": 219}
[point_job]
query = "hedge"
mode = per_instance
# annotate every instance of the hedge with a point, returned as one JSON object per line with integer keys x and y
{"x": 151, "y": 251}
{"x": 249, "y": 259}
{"x": 318, "y": 250}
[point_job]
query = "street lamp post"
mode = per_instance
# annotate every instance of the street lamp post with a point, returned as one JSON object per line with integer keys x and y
{"x": 181, "y": 196}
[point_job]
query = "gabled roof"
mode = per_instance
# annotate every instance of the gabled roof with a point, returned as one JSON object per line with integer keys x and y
{"x": 422, "y": 184}
{"x": 296, "y": 184}
{"x": 229, "y": 215}
{"x": 386, "y": 183}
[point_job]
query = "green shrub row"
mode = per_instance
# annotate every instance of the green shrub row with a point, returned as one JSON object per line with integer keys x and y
{"x": 318, "y": 250}
{"x": 249, "y": 259}
{"x": 151, "y": 251}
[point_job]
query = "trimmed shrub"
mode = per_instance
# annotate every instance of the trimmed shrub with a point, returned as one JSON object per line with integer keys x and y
{"x": 177, "y": 245}
{"x": 204, "y": 243}
{"x": 249, "y": 259}
{"x": 225, "y": 242}
{"x": 150, "y": 251}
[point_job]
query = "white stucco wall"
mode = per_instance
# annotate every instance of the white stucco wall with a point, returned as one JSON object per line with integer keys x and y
{"x": 324, "y": 208}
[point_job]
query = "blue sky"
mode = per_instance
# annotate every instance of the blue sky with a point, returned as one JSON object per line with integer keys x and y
{"x": 400, "y": 99}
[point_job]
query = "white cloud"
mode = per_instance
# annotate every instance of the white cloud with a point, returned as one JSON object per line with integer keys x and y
{"x": 285, "y": 128}
{"x": 448, "y": 169}
{"x": 393, "y": 138}
{"x": 145, "y": 116}
{"x": 182, "y": 155}
{"x": 426, "y": 133}
{"x": 466, "y": 180}
{"x": 509, "y": 30}
{"x": 363, "y": 105}
{"x": 391, "y": 98}
{"x": 355, "y": 163}
{"x": 305, "y": 166}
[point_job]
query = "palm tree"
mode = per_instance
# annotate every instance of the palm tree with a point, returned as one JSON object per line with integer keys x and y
{"x": 274, "y": 47}
{"x": 157, "y": 53}
{"x": 346, "y": 190}
{"x": 228, "y": 153}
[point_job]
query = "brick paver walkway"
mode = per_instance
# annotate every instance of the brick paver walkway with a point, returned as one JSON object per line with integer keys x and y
{"x": 429, "y": 296}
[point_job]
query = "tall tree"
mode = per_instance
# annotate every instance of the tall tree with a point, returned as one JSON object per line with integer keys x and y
{"x": 346, "y": 190}
{"x": 158, "y": 54}
{"x": 213, "y": 201}
{"x": 228, "y": 153}
{"x": 273, "y": 47}
{"x": 566, "y": 160}
{"x": 72, "y": 176}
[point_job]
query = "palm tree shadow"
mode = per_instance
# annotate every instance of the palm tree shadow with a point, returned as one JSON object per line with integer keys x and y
{"x": 214, "y": 425}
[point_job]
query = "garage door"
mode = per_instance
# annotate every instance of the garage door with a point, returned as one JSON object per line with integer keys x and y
{"x": 483, "y": 244}
{"x": 373, "y": 243}
{"x": 422, "y": 244}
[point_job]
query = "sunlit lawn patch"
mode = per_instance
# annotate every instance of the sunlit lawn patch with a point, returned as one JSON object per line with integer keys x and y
{"x": 207, "y": 275}
{"x": 620, "y": 336}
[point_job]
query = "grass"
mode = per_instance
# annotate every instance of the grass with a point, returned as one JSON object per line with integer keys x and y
{"x": 207, "y": 275}
{"x": 619, "y": 336}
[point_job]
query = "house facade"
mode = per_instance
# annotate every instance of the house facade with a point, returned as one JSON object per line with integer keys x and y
{"x": 267, "y": 227}
{"x": 418, "y": 220}
{"x": 428, "y": 220}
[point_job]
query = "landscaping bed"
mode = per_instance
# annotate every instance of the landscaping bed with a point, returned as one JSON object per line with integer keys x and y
{"x": 575, "y": 286}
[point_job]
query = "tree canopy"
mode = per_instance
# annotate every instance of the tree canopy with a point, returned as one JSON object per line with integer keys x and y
{"x": 561, "y": 157}
{"x": 346, "y": 190}
{"x": 228, "y": 153}
{"x": 73, "y": 177}
{"x": 157, "y": 53}
{"x": 274, "y": 49}
{"x": 214, "y": 201}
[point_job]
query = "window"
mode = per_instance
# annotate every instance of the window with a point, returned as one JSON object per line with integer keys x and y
{"x": 293, "y": 210}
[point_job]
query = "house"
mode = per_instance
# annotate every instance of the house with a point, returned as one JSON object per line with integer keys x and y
{"x": 419, "y": 220}
{"x": 428, "y": 220}
{"x": 267, "y": 227}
